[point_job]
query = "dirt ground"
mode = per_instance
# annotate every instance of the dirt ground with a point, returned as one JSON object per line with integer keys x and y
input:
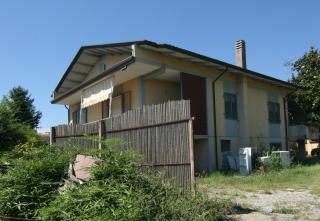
{"x": 276, "y": 205}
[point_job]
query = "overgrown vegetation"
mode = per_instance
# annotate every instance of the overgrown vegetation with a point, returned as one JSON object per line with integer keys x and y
{"x": 32, "y": 179}
{"x": 275, "y": 163}
{"x": 301, "y": 176}
{"x": 118, "y": 190}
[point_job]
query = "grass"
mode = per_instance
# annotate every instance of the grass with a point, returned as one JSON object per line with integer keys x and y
{"x": 298, "y": 177}
{"x": 283, "y": 210}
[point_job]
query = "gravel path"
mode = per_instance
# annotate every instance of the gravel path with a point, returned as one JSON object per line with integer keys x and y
{"x": 278, "y": 205}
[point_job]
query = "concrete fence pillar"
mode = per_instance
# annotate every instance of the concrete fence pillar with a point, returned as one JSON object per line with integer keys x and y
{"x": 52, "y": 135}
{"x": 101, "y": 130}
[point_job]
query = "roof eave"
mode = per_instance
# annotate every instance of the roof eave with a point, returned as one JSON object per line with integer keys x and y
{"x": 82, "y": 48}
{"x": 209, "y": 59}
{"x": 111, "y": 70}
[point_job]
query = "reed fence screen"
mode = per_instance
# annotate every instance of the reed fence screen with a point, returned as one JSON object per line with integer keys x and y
{"x": 161, "y": 133}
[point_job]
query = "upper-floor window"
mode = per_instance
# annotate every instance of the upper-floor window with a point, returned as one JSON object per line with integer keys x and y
{"x": 274, "y": 112}
{"x": 230, "y": 106}
{"x": 102, "y": 67}
{"x": 79, "y": 116}
{"x": 76, "y": 116}
{"x": 120, "y": 104}
{"x": 83, "y": 116}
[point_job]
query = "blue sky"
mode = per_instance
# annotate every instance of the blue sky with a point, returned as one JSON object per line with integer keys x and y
{"x": 38, "y": 39}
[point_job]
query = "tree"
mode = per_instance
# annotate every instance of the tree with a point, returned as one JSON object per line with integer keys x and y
{"x": 11, "y": 132}
{"x": 21, "y": 105}
{"x": 306, "y": 77}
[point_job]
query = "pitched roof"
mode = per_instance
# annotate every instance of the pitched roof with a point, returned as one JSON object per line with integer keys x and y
{"x": 87, "y": 56}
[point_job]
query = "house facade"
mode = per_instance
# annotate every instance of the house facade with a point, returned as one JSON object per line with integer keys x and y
{"x": 232, "y": 106}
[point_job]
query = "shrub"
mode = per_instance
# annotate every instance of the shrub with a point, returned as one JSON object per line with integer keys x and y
{"x": 119, "y": 190}
{"x": 32, "y": 180}
{"x": 275, "y": 163}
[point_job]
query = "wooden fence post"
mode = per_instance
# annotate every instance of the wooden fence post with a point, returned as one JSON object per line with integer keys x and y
{"x": 101, "y": 129}
{"x": 191, "y": 149}
{"x": 52, "y": 135}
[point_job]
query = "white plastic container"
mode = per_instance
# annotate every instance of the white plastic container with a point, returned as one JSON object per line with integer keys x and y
{"x": 245, "y": 163}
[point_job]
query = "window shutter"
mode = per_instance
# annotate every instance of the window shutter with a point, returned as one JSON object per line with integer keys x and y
{"x": 105, "y": 108}
{"x": 274, "y": 112}
{"x": 230, "y": 106}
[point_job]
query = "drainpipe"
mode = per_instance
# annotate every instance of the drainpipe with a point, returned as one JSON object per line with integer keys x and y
{"x": 285, "y": 105}
{"x": 68, "y": 113}
{"x": 215, "y": 114}
{"x": 285, "y": 109}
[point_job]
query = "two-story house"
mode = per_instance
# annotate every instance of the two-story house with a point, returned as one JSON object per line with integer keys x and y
{"x": 232, "y": 106}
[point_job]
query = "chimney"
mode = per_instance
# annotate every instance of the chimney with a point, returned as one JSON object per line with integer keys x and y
{"x": 241, "y": 54}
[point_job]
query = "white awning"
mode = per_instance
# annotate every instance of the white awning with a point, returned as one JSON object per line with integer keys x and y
{"x": 97, "y": 93}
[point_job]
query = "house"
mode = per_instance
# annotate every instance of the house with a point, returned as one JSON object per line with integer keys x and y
{"x": 233, "y": 106}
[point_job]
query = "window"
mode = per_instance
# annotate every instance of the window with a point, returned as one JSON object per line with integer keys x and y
{"x": 105, "y": 108}
{"x": 102, "y": 67}
{"x": 83, "y": 116}
{"x": 230, "y": 106}
{"x": 275, "y": 146}
{"x": 126, "y": 101}
{"x": 120, "y": 103}
{"x": 76, "y": 116}
{"x": 116, "y": 106}
{"x": 274, "y": 112}
{"x": 225, "y": 145}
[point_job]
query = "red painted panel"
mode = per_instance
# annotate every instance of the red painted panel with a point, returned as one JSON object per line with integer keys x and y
{"x": 193, "y": 88}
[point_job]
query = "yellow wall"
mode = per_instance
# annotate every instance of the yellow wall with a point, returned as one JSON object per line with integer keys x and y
{"x": 158, "y": 91}
{"x": 200, "y": 149}
{"x": 133, "y": 87}
{"x": 258, "y": 112}
{"x": 109, "y": 60}
{"x": 258, "y": 116}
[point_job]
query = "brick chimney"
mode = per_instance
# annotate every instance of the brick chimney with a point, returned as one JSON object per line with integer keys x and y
{"x": 241, "y": 54}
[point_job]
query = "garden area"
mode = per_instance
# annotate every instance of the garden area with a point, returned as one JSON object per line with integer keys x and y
{"x": 281, "y": 194}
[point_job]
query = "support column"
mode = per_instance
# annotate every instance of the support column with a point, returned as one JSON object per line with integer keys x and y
{"x": 52, "y": 135}
{"x": 101, "y": 133}
{"x": 141, "y": 91}
{"x": 243, "y": 112}
{"x": 210, "y": 128}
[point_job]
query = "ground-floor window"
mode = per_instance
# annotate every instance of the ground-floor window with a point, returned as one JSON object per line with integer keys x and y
{"x": 225, "y": 145}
